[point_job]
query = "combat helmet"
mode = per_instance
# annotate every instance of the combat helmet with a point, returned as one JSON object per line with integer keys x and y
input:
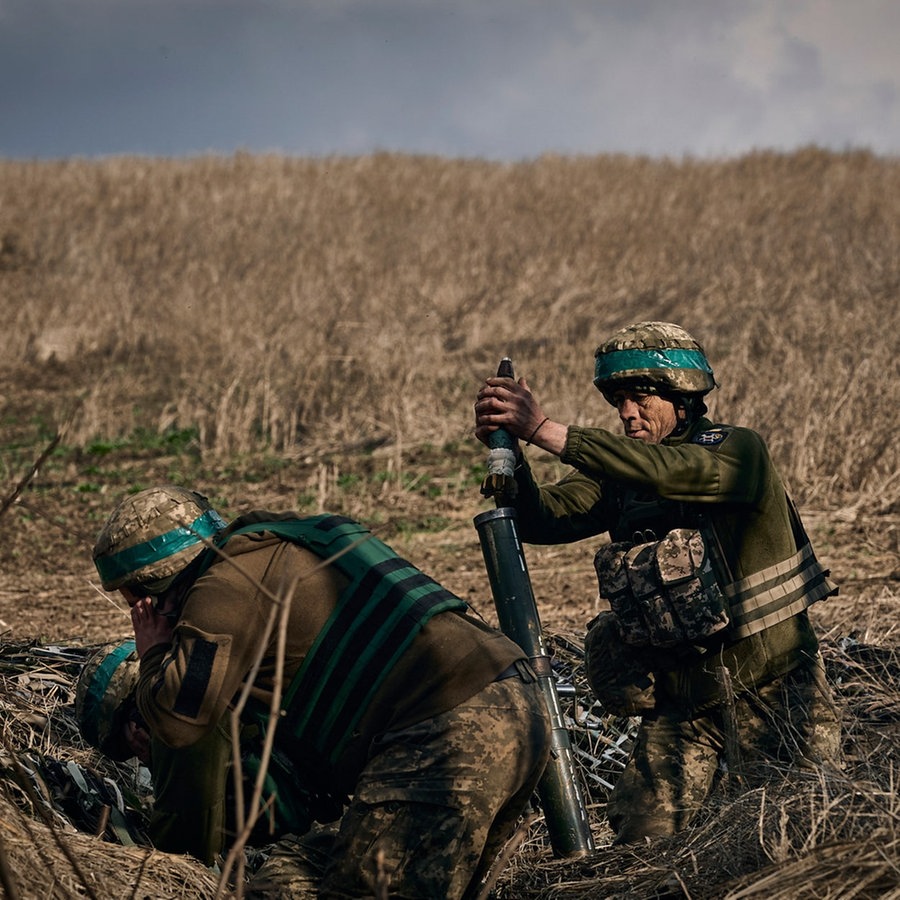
{"x": 104, "y": 696}
{"x": 653, "y": 357}
{"x": 152, "y": 536}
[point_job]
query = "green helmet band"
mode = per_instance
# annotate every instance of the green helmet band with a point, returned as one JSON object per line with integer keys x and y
{"x": 90, "y": 718}
{"x": 118, "y": 565}
{"x": 619, "y": 363}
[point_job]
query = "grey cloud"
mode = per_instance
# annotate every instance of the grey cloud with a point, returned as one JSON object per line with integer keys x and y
{"x": 498, "y": 78}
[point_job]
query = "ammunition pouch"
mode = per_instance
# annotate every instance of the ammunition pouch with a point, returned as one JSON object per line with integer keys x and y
{"x": 663, "y": 593}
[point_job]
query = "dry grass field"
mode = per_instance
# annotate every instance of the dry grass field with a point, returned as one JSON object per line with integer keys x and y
{"x": 310, "y": 335}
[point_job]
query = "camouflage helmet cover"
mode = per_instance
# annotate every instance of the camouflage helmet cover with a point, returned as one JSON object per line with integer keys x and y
{"x": 103, "y": 695}
{"x": 654, "y": 356}
{"x": 152, "y": 535}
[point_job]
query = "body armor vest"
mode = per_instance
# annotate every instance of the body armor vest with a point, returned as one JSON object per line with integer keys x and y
{"x": 647, "y": 517}
{"x": 668, "y": 582}
{"x": 377, "y": 616}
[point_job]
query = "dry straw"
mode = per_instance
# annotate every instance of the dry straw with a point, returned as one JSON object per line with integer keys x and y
{"x": 807, "y": 833}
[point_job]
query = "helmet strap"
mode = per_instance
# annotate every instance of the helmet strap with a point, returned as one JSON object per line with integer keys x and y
{"x": 688, "y": 409}
{"x": 181, "y": 584}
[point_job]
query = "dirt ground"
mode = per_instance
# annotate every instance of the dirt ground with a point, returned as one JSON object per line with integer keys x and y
{"x": 50, "y": 589}
{"x": 50, "y": 592}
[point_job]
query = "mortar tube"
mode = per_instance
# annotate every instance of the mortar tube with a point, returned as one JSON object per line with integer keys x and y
{"x": 559, "y": 787}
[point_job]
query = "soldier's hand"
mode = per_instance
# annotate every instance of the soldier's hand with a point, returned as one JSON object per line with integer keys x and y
{"x": 504, "y": 403}
{"x": 150, "y": 627}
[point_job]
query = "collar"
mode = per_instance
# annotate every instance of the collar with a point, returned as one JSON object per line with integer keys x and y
{"x": 702, "y": 424}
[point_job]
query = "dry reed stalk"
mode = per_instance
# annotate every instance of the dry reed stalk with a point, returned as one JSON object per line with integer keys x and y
{"x": 29, "y": 475}
{"x": 277, "y": 622}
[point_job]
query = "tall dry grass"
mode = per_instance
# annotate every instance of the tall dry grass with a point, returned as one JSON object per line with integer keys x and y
{"x": 285, "y": 304}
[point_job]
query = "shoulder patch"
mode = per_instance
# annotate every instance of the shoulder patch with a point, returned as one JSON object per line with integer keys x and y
{"x": 712, "y": 437}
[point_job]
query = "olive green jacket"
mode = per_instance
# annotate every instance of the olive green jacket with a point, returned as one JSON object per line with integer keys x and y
{"x": 186, "y": 688}
{"x": 720, "y": 474}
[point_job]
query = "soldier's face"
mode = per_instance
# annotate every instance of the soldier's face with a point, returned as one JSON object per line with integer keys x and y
{"x": 130, "y": 596}
{"x": 646, "y": 417}
{"x": 138, "y": 739}
{"x": 164, "y": 604}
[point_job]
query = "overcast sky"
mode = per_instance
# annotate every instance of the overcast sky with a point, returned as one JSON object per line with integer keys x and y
{"x": 500, "y": 79}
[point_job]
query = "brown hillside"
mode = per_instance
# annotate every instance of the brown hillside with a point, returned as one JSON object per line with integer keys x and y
{"x": 310, "y": 334}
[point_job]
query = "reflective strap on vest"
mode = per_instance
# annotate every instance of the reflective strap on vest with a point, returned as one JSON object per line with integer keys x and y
{"x": 776, "y": 593}
{"x": 377, "y": 616}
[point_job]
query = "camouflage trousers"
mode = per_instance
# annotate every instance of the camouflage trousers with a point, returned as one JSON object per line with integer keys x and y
{"x": 676, "y": 759}
{"x": 432, "y": 809}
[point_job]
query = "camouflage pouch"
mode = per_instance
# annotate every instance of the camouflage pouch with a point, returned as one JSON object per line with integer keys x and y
{"x": 686, "y": 577}
{"x": 663, "y": 593}
{"x": 643, "y": 577}
{"x": 619, "y": 675}
{"x": 609, "y": 564}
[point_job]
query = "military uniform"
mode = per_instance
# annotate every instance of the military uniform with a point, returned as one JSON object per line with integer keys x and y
{"x": 440, "y": 758}
{"x": 720, "y": 478}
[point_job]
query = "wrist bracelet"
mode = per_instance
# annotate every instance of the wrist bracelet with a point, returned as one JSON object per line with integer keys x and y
{"x": 536, "y": 430}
